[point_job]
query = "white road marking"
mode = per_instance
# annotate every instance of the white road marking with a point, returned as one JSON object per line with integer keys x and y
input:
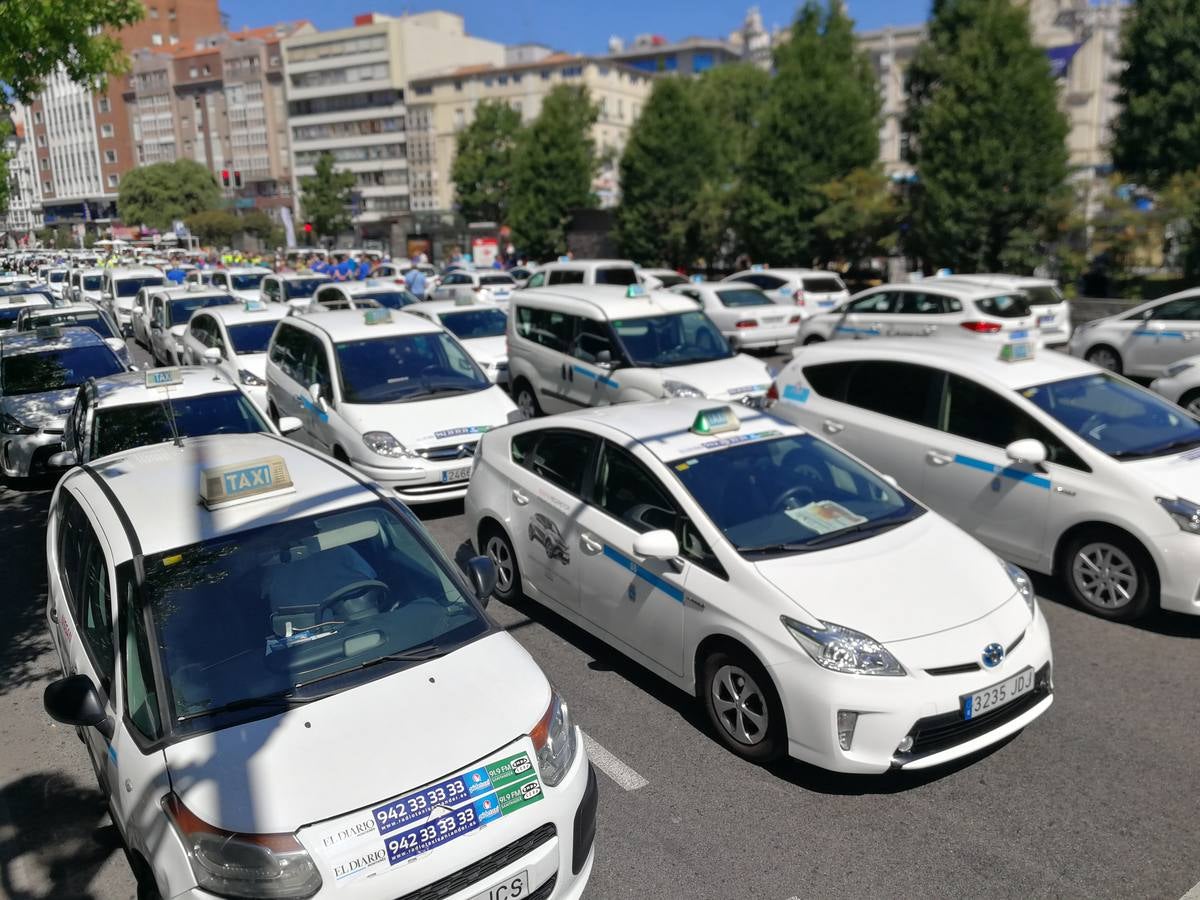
{"x": 1193, "y": 894}
{"x": 616, "y": 770}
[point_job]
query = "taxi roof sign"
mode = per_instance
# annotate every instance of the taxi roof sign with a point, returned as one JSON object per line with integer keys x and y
{"x": 697, "y": 279}
{"x": 715, "y": 421}
{"x": 255, "y": 306}
{"x": 378, "y": 316}
{"x": 1015, "y": 351}
{"x": 245, "y": 481}
{"x": 164, "y": 378}
{"x": 635, "y": 290}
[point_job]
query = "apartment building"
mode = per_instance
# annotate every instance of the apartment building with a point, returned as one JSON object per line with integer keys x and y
{"x": 24, "y": 213}
{"x": 346, "y": 92}
{"x": 443, "y": 104}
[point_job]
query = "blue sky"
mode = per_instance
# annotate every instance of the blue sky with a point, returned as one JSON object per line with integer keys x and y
{"x": 572, "y": 25}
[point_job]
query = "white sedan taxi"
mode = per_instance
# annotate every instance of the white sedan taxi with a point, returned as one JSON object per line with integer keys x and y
{"x": 264, "y": 618}
{"x": 234, "y": 339}
{"x": 747, "y": 317}
{"x": 479, "y": 326}
{"x": 812, "y": 608}
{"x": 1180, "y": 383}
{"x": 1145, "y": 340}
{"x": 395, "y": 396}
{"x": 1054, "y": 463}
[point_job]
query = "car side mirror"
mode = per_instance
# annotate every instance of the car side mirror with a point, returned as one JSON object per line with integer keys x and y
{"x": 63, "y": 460}
{"x": 1030, "y": 451}
{"x": 483, "y": 577}
{"x": 212, "y": 355}
{"x": 289, "y": 424}
{"x": 658, "y": 544}
{"x": 74, "y": 701}
{"x": 604, "y": 357}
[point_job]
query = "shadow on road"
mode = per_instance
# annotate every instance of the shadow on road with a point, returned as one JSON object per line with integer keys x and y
{"x": 26, "y": 639}
{"x": 1168, "y": 624}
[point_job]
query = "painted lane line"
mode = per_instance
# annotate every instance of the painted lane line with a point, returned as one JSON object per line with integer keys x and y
{"x": 612, "y": 767}
{"x": 1193, "y": 894}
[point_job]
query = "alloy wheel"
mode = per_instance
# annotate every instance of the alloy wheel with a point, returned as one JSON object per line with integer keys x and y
{"x": 740, "y": 705}
{"x": 501, "y": 556}
{"x": 1104, "y": 575}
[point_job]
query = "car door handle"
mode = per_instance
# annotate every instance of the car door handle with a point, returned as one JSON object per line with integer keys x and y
{"x": 519, "y": 498}
{"x": 54, "y": 614}
{"x": 938, "y": 458}
{"x": 832, "y": 427}
{"x": 590, "y": 545}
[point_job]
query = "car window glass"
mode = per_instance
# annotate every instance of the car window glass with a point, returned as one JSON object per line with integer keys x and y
{"x": 536, "y": 279}
{"x": 560, "y": 457}
{"x": 285, "y": 352}
{"x": 824, "y": 285}
{"x": 627, "y": 491}
{"x": 549, "y": 328}
{"x": 314, "y": 363}
{"x": 566, "y": 276}
{"x": 1005, "y": 306}
{"x": 141, "y": 698}
{"x": 330, "y": 296}
{"x": 621, "y": 275}
{"x": 900, "y": 390}
{"x": 1184, "y": 309}
{"x": 883, "y": 302}
{"x": 88, "y": 578}
{"x": 913, "y": 303}
{"x": 592, "y": 340}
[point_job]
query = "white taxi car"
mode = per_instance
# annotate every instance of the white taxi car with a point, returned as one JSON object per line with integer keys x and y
{"x": 934, "y": 308}
{"x": 14, "y": 303}
{"x": 480, "y": 327}
{"x": 1180, "y": 383}
{"x": 488, "y": 285}
{"x": 1145, "y": 340}
{"x": 168, "y": 317}
{"x": 265, "y": 617}
{"x": 1052, "y": 462}
{"x": 811, "y": 290}
{"x": 40, "y": 372}
{"x": 619, "y": 272}
{"x": 581, "y": 345}
{"x": 369, "y": 294}
{"x": 120, "y": 285}
{"x": 86, "y": 285}
{"x": 234, "y": 339}
{"x": 812, "y": 608}
{"x": 749, "y": 319}
{"x": 395, "y": 396}
{"x": 295, "y": 289}
{"x": 244, "y": 282}
{"x": 1046, "y": 302}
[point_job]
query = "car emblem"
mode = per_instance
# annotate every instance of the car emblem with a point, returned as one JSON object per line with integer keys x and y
{"x": 993, "y": 655}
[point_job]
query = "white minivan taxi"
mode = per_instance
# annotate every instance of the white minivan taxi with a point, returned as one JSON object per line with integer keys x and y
{"x": 121, "y": 285}
{"x": 581, "y": 345}
{"x": 395, "y": 396}
{"x": 1058, "y": 465}
{"x": 264, "y": 619}
{"x": 812, "y": 608}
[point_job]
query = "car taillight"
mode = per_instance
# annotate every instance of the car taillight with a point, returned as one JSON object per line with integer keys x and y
{"x": 747, "y": 323}
{"x": 798, "y": 296}
{"x": 794, "y": 320}
{"x": 981, "y": 327}
{"x": 772, "y": 393}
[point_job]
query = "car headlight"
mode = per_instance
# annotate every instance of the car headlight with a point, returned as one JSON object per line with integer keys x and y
{"x": 1186, "y": 513}
{"x": 385, "y": 445}
{"x": 843, "y": 649}
{"x": 233, "y": 864}
{"x": 1022, "y": 583}
{"x": 554, "y": 740}
{"x": 1178, "y": 369}
{"x": 10, "y": 425}
{"x": 680, "y": 389}
{"x": 249, "y": 379}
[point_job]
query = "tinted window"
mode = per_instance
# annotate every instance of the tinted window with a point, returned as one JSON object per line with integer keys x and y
{"x": 627, "y": 491}
{"x": 286, "y": 351}
{"x": 566, "y": 276}
{"x": 91, "y": 282}
{"x": 1186, "y": 309}
{"x": 141, "y": 697}
{"x": 55, "y": 370}
{"x": 128, "y": 287}
{"x": 299, "y": 288}
{"x": 204, "y": 329}
{"x": 593, "y": 339}
{"x": 623, "y": 275}
{"x": 546, "y": 327}
{"x": 475, "y": 323}
{"x": 181, "y": 310}
{"x": 671, "y": 340}
{"x": 252, "y": 337}
{"x": 390, "y": 299}
{"x": 883, "y": 302}
{"x": 560, "y": 457}
{"x": 122, "y": 428}
{"x": 247, "y": 282}
{"x": 1043, "y": 295}
{"x": 497, "y": 280}
{"x": 735, "y": 297}
{"x": 406, "y": 367}
{"x": 84, "y": 574}
{"x": 92, "y": 320}
{"x": 1005, "y": 306}
{"x": 827, "y": 285}
{"x": 900, "y": 390}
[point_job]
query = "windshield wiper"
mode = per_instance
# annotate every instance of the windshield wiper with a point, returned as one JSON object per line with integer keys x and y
{"x": 415, "y": 654}
{"x": 1182, "y": 444}
{"x": 287, "y": 699}
{"x": 820, "y": 540}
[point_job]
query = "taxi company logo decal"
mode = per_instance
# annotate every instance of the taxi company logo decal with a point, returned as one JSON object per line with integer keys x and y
{"x": 993, "y": 655}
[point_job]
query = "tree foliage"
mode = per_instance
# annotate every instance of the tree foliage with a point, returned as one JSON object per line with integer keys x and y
{"x": 158, "y": 194}
{"x": 860, "y": 218}
{"x": 820, "y": 121}
{"x": 325, "y": 196}
{"x": 483, "y": 162}
{"x": 214, "y": 226}
{"x": 555, "y": 165}
{"x": 1157, "y": 129}
{"x": 669, "y": 157}
{"x": 987, "y": 139}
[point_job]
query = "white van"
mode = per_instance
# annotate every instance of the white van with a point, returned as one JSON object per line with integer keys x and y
{"x": 595, "y": 345}
{"x": 121, "y": 285}
{"x": 621, "y": 272}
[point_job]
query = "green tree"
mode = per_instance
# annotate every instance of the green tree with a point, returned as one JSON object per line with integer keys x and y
{"x": 669, "y": 157}
{"x": 158, "y": 194}
{"x": 820, "y": 121}
{"x": 1157, "y": 129}
{"x": 6, "y": 130}
{"x": 860, "y": 218}
{"x": 483, "y": 162}
{"x": 214, "y": 226}
{"x": 555, "y": 165}
{"x": 325, "y": 196}
{"x": 987, "y": 139}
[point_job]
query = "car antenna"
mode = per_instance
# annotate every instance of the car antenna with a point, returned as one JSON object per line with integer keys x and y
{"x": 164, "y": 379}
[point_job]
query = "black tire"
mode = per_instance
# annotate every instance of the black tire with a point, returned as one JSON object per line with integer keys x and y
{"x": 273, "y": 412}
{"x": 526, "y": 398}
{"x": 1190, "y": 398}
{"x": 813, "y": 339}
{"x": 494, "y": 544}
{"x": 340, "y": 455}
{"x": 1111, "y": 358}
{"x": 1100, "y": 566}
{"x": 720, "y": 669}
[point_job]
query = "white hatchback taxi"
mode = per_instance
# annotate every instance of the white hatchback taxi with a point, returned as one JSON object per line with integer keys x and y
{"x": 1052, "y": 462}
{"x": 813, "y": 608}
{"x": 234, "y": 339}
{"x": 1144, "y": 341}
{"x": 747, "y": 317}
{"x": 265, "y": 617}
{"x": 395, "y": 396}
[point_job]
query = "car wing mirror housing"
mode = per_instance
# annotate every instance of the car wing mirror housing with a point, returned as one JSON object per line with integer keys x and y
{"x": 74, "y": 700}
{"x": 1030, "y": 451}
{"x": 658, "y": 544}
{"x": 483, "y": 577}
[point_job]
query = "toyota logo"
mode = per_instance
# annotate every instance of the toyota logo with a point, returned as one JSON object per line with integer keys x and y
{"x": 993, "y": 655}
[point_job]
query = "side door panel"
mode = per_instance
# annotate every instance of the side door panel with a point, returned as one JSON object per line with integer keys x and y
{"x": 1168, "y": 335}
{"x": 866, "y": 317}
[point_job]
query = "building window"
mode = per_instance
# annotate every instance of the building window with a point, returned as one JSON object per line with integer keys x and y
{"x": 193, "y": 72}
{"x": 546, "y": 73}
{"x": 458, "y": 85}
{"x": 459, "y": 118}
{"x": 702, "y": 62}
{"x": 113, "y": 180}
{"x": 517, "y": 78}
{"x": 104, "y": 105}
{"x": 156, "y": 39}
{"x": 154, "y": 12}
{"x": 572, "y": 71}
{"x": 41, "y": 142}
{"x": 171, "y": 14}
{"x": 110, "y": 156}
{"x": 488, "y": 82}
{"x": 37, "y": 118}
{"x": 423, "y": 90}
{"x": 106, "y": 131}
{"x": 503, "y": 79}
{"x": 207, "y": 70}
{"x": 47, "y": 187}
{"x": 45, "y": 162}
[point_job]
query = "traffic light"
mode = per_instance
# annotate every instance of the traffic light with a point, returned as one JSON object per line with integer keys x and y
{"x": 308, "y": 227}
{"x": 225, "y": 177}
{"x": 237, "y": 179}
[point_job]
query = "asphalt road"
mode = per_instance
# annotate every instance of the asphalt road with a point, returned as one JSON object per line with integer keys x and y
{"x": 1099, "y": 798}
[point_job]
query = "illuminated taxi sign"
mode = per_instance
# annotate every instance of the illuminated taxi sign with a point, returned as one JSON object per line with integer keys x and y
{"x": 757, "y": 267}
{"x": 715, "y": 421}
{"x": 1017, "y": 347}
{"x": 563, "y": 259}
{"x": 697, "y": 279}
{"x": 379, "y": 316}
{"x": 635, "y": 290}
{"x": 245, "y": 481}
{"x": 255, "y": 306}
{"x": 164, "y": 378}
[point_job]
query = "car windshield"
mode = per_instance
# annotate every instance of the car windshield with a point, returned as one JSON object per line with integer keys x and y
{"x": 246, "y": 618}
{"x": 247, "y": 282}
{"x": 671, "y": 340}
{"x": 92, "y": 320}
{"x": 57, "y": 277}
{"x": 121, "y": 428}
{"x": 390, "y": 299}
{"x": 1116, "y": 417}
{"x": 734, "y": 297}
{"x": 91, "y": 282}
{"x": 181, "y": 310}
{"x": 790, "y": 494}
{"x": 622, "y": 275}
{"x": 822, "y": 285}
{"x": 299, "y": 288}
{"x": 252, "y": 337}
{"x": 406, "y": 367}
{"x": 55, "y": 370}
{"x": 1004, "y": 306}
{"x": 497, "y": 281}
{"x": 475, "y": 323}
{"x": 128, "y": 287}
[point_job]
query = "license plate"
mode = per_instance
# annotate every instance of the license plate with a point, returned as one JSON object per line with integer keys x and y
{"x": 997, "y": 695}
{"x": 461, "y": 474}
{"x": 824, "y": 303}
{"x": 772, "y": 320}
{"x": 1046, "y": 320}
{"x": 509, "y": 889}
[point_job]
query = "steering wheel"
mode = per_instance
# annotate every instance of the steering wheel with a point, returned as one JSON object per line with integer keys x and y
{"x": 345, "y": 592}
{"x": 793, "y": 498}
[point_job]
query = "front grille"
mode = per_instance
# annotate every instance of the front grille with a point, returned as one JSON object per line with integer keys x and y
{"x": 971, "y": 666}
{"x": 448, "y": 451}
{"x": 52, "y": 431}
{"x": 429, "y": 490}
{"x": 941, "y": 732}
{"x": 488, "y": 866}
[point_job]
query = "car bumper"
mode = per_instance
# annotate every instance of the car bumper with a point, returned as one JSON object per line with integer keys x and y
{"x": 763, "y": 336}
{"x": 919, "y": 705}
{"x": 418, "y": 485}
{"x": 1177, "y": 557}
{"x": 22, "y": 454}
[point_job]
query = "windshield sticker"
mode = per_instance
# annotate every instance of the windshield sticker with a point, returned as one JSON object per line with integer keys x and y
{"x": 824, "y": 516}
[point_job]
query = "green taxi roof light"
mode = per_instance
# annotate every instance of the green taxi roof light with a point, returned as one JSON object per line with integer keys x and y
{"x": 635, "y": 290}
{"x": 715, "y": 421}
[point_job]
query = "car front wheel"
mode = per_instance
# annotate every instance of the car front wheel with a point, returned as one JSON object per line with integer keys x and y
{"x": 499, "y": 549}
{"x": 742, "y": 705}
{"x": 1105, "y": 357}
{"x": 1110, "y": 575}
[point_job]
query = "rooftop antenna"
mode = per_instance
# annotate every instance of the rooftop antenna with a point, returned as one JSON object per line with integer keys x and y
{"x": 164, "y": 380}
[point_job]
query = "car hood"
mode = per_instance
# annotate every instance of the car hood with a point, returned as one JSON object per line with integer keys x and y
{"x": 922, "y": 578}
{"x": 437, "y": 421}
{"x": 487, "y": 350}
{"x": 48, "y": 410}
{"x": 363, "y": 745}
{"x": 724, "y": 378}
{"x": 249, "y": 295}
{"x": 1172, "y": 476}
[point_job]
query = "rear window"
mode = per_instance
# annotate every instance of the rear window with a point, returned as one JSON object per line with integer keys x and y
{"x": 505, "y": 280}
{"x": 1043, "y": 295}
{"x": 823, "y": 285}
{"x": 734, "y": 297}
{"x": 1004, "y": 306}
{"x": 622, "y": 275}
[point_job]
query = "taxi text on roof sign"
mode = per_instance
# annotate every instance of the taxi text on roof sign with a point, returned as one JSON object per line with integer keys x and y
{"x": 255, "y": 306}
{"x": 1016, "y": 351}
{"x": 715, "y": 421}
{"x": 240, "y": 482}
{"x": 635, "y": 290}
{"x": 161, "y": 378}
{"x": 377, "y": 316}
